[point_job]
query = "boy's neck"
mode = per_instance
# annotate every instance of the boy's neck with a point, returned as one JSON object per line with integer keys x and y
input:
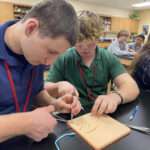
{"x": 88, "y": 60}
{"x": 12, "y": 39}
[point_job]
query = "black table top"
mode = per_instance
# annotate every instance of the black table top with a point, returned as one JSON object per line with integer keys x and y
{"x": 134, "y": 141}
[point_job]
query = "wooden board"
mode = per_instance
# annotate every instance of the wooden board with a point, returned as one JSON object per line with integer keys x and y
{"x": 98, "y": 132}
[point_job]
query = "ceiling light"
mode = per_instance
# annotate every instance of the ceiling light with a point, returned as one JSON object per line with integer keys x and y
{"x": 140, "y": 5}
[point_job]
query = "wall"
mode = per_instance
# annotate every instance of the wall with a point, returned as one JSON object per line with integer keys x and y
{"x": 103, "y": 10}
{"x": 8, "y": 14}
{"x": 21, "y": 1}
{"x": 144, "y": 19}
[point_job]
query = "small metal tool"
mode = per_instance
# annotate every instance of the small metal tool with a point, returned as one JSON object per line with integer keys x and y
{"x": 140, "y": 128}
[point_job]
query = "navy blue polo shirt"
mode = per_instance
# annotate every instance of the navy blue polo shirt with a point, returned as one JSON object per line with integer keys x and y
{"x": 21, "y": 73}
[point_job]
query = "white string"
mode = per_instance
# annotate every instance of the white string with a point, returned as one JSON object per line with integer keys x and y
{"x": 61, "y": 137}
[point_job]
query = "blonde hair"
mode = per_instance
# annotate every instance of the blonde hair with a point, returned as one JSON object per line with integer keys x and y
{"x": 90, "y": 25}
{"x": 123, "y": 33}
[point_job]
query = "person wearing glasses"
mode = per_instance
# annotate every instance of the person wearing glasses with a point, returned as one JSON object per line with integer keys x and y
{"x": 119, "y": 47}
{"x": 86, "y": 70}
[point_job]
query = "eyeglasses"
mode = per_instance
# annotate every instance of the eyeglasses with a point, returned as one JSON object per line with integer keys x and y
{"x": 83, "y": 45}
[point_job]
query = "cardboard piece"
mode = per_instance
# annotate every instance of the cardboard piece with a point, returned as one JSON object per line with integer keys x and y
{"x": 98, "y": 132}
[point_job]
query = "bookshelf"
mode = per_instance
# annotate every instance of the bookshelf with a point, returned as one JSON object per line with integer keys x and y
{"x": 12, "y": 11}
{"x": 20, "y": 10}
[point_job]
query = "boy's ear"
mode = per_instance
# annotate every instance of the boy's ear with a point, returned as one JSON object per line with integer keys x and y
{"x": 31, "y": 26}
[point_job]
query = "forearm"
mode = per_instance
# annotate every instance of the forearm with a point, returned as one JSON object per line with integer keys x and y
{"x": 127, "y": 87}
{"x": 119, "y": 52}
{"x": 13, "y": 125}
{"x": 129, "y": 92}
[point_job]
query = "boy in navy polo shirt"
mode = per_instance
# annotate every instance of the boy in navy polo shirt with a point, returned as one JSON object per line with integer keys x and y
{"x": 25, "y": 46}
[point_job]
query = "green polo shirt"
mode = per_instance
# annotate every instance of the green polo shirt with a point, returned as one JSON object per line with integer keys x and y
{"x": 105, "y": 67}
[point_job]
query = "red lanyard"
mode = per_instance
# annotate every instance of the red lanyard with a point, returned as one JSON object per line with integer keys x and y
{"x": 13, "y": 90}
{"x": 82, "y": 76}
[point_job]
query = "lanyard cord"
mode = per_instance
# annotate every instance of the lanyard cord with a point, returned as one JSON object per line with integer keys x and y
{"x": 13, "y": 90}
{"x": 82, "y": 76}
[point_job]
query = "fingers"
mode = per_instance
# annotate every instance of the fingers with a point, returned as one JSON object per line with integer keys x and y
{"x": 66, "y": 88}
{"x": 72, "y": 92}
{"x": 71, "y": 104}
{"x": 102, "y": 108}
{"x": 63, "y": 104}
{"x": 68, "y": 98}
{"x": 96, "y": 106}
{"x": 111, "y": 108}
{"x": 75, "y": 102}
{"x": 38, "y": 136}
{"x": 76, "y": 106}
{"x": 75, "y": 93}
{"x": 49, "y": 108}
{"x": 64, "y": 107}
{"x": 42, "y": 123}
{"x": 68, "y": 104}
{"x": 104, "y": 104}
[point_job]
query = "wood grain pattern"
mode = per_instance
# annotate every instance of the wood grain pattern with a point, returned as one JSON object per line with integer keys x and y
{"x": 99, "y": 132}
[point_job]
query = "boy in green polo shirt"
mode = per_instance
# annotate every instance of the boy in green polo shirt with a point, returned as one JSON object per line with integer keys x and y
{"x": 88, "y": 69}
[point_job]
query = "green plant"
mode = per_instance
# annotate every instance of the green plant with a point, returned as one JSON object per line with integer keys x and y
{"x": 134, "y": 15}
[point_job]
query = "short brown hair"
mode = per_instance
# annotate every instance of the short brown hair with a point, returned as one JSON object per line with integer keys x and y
{"x": 140, "y": 56}
{"x": 123, "y": 33}
{"x": 90, "y": 25}
{"x": 141, "y": 36}
{"x": 56, "y": 18}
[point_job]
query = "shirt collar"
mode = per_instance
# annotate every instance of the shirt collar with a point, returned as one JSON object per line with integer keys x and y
{"x": 5, "y": 52}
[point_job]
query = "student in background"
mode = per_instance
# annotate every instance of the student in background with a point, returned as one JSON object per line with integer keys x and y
{"x": 138, "y": 44}
{"x": 48, "y": 29}
{"x": 119, "y": 47}
{"x": 141, "y": 67}
{"x": 89, "y": 68}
